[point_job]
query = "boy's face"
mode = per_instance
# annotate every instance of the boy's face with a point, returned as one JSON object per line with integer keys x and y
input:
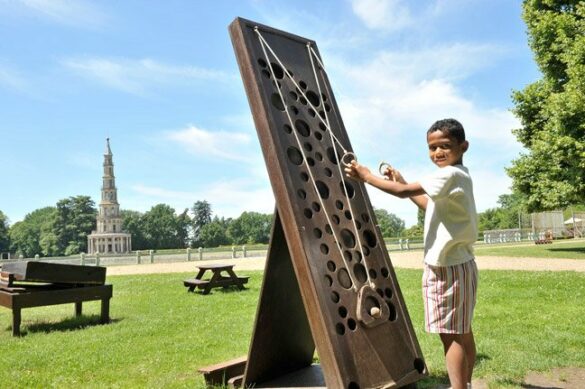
{"x": 445, "y": 150}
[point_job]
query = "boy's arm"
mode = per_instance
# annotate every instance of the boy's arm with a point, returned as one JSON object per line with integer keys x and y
{"x": 394, "y": 175}
{"x": 399, "y": 188}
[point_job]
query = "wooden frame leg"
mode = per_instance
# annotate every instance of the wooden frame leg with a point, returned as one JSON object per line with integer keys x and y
{"x": 105, "y": 314}
{"x": 212, "y": 282}
{"x": 16, "y": 322}
{"x": 235, "y": 279}
{"x": 78, "y": 308}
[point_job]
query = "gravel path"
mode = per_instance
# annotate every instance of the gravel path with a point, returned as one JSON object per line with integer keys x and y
{"x": 409, "y": 260}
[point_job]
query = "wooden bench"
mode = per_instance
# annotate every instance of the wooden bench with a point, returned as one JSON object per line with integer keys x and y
{"x": 17, "y": 298}
{"x": 28, "y": 284}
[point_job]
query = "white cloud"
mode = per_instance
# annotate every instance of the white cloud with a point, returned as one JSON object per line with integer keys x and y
{"x": 70, "y": 12}
{"x": 13, "y": 80}
{"x": 138, "y": 76}
{"x": 228, "y": 199}
{"x": 232, "y": 146}
{"x": 395, "y": 93}
{"x": 385, "y": 15}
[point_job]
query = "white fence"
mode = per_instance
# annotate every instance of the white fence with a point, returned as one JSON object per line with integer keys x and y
{"x": 149, "y": 256}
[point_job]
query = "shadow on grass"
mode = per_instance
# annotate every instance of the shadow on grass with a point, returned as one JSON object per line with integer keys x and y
{"x": 520, "y": 384}
{"x": 441, "y": 381}
{"x": 70, "y": 324}
{"x": 223, "y": 290}
{"x": 434, "y": 381}
{"x": 480, "y": 357}
{"x": 579, "y": 250}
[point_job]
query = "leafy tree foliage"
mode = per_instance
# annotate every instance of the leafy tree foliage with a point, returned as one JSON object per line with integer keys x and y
{"x": 214, "y": 234}
{"x": 34, "y": 235}
{"x": 132, "y": 224}
{"x": 250, "y": 227}
{"x": 75, "y": 219}
{"x": 390, "y": 224}
{"x": 507, "y": 215}
{"x": 201, "y": 216}
{"x": 417, "y": 230}
{"x": 184, "y": 228}
{"x": 551, "y": 174}
{"x": 63, "y": 230}
{"x": 161, "y": 228}
{"x": 4, "y": 237}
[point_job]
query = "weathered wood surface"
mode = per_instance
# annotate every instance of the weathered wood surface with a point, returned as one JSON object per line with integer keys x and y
{"x": 38, "y": 271}
{"x": 219, "y": 374}
{"x": 332, "y": 258}
{"x": 281, "y": 341}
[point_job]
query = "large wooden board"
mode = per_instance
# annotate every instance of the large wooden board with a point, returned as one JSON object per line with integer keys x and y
{"x": 329, "y": 231}
{"x": 36, "y": 271}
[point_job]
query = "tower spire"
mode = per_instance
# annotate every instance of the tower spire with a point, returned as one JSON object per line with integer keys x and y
{"x": 109, "y": 237}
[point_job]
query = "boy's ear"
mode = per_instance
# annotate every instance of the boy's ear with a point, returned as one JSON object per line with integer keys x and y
{"x": 465, "y": 145}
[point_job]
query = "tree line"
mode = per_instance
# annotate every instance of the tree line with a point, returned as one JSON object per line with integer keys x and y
{"x": 63, "y": 229}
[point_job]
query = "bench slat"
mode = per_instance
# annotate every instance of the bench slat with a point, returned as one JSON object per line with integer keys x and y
{"x": 195, "y": 282}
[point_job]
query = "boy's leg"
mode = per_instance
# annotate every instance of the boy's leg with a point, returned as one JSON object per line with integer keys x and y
{"x": 470, "y": 351}
{"x": 459, "y": 357}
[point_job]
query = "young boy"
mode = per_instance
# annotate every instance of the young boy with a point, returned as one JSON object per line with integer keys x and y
{"x": 450, "y": 274}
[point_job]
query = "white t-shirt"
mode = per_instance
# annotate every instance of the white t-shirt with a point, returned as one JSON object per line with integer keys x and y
{"x": 450, "y": 219}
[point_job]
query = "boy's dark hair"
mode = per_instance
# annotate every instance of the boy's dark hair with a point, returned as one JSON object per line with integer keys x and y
{"x": 450, "y": 127}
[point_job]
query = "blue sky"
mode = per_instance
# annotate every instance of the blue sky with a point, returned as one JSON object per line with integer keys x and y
{"x": 159, "y": 78}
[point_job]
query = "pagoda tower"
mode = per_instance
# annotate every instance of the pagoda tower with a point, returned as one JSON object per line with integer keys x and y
{"x": 109, "y": 237}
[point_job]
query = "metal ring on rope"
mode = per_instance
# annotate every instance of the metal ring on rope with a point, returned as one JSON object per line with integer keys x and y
{"x": 347, "y": 162}
{"x": 383, "y": 167}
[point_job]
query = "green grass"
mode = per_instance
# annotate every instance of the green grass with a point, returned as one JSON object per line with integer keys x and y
{"x": 571, "y": 249}
{"x": 161, "y": 335}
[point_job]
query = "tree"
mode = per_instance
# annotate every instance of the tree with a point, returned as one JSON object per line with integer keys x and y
{"x": 75, "y": 219}
{"x": 417, "y": 230}
{"x": 250, "y": 227}
{"x": 551, "y": 174}
{"x": 160, "y": 227}
{"x": 390, "y": 224}
{"x": 4, "y": 237}
{"x": 34, "y": 235}
{"x": 132, "y": 224}
{"x": 506, "y": 216}
{"x": 214, "y": 234}
{"x": 183, "y": 228}
{"x": 201, "y": 216}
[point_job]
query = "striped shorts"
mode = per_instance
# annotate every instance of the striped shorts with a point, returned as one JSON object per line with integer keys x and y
{"x": 449, "y": 294}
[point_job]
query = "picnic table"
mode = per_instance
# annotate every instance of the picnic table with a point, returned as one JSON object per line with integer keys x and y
{"x": 223, "y": 276}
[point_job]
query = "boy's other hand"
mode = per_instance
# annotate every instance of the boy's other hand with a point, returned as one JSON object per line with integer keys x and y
{"x": 393, "y": 175}
{"x": 357, "y": 172}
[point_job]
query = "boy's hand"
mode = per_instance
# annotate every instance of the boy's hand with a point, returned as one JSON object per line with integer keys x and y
{"x": 357, "y": 171}
{"x": 394, "y": 175}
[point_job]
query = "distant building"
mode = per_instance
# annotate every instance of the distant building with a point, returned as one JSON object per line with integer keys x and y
{"x": 109, "y": 237}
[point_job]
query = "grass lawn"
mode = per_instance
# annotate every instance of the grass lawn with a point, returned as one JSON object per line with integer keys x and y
{"x": 161, "y": 335}
{"x": 571, "y": 249}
